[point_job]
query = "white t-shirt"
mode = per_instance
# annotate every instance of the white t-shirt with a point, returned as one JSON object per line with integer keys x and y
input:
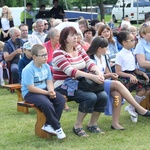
{"x": 101, "y": 66}
{"x": 5, "y": 24}
{"x": 126, "y": 59}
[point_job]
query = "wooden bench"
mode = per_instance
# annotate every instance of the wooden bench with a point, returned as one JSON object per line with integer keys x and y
{"x": 23, "y": 106}
{"x": 41, "y": 119}
{"x": 146, "y": 103}
{"x": 17, "y": 88}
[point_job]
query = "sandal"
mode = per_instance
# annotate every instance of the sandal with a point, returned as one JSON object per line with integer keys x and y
{"x": 80, "y": 132}
{"x": 95, "y": 129}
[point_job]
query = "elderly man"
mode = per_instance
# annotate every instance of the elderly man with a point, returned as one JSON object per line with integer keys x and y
{"x": 39, "y": 30}
{"x": 13, "y": 52}
{"x": 28, "y": 37}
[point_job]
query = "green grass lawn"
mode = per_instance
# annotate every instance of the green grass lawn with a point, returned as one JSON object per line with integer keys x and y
{"x": 108, "y": 17}
{"x": 17, "y": 130}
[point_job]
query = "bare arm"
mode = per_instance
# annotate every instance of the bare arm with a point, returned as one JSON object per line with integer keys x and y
{"x": 133, "y": 79}
{"x": 50, "y": 88}
{"x": 108, "y": 74}
{"x": 142, "y": 61}
{"x": 98, "y": 78}
{"x": 35, "y": 89}
{"x": 9, "y": 57}
{"x": 137, "y": 71}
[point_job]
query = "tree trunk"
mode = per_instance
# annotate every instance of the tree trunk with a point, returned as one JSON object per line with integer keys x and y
{"x": 1, "y": 3}
{"x": 101, "y": 7}
{"x": 40, "y": 2}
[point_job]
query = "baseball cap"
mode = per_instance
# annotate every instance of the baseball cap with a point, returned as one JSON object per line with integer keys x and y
{"x": 27, "y": 46}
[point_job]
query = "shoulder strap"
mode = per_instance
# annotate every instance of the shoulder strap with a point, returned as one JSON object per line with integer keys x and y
{"x": 107, "y": 63}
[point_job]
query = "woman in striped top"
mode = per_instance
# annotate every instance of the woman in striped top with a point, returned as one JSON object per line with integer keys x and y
{"x": 70, "y": 61}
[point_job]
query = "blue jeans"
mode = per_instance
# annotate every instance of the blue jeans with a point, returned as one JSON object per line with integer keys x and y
{"x": 88, "y": 101}
{"x": 52, "y": 108}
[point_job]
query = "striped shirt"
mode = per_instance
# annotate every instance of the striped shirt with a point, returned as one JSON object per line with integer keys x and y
{"x": 66, "y": 66}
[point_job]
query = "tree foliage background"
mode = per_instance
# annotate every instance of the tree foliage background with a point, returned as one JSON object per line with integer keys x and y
{"x": 66, "y": 4}
{"x": 70, "y": 3}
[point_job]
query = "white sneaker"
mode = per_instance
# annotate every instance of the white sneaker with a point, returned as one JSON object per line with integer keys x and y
{"x": 49, "y": 129}
{"x": 134, "y": 119}
{"x": 60, "y": 133}
{"x": 130, "y": 110}
{"x": 2, "y": 82}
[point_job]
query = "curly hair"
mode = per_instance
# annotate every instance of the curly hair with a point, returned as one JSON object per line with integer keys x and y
{"x": 9, "y": 13}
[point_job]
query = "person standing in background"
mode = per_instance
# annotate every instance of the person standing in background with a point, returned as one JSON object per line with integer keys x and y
{"x": 111, "y": 24}
{"x": 29, "y": 15}
{"x": 6, "y": 22}
{"x": 57, "y": 11}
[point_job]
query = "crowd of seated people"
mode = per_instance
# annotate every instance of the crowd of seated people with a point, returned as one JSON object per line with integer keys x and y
{"x": 64, "y": 54}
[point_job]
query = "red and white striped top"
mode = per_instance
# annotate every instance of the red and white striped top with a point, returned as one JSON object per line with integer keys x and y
{"x": 65, "y": 65}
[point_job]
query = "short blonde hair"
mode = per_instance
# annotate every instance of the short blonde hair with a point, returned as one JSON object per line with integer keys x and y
{"x": 36, "y": 48}
{"x": 145, "y": 28}
{"x": 57, "y": 22}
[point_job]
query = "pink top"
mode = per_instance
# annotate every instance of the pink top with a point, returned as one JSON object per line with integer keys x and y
{"x": 48, "y": 46}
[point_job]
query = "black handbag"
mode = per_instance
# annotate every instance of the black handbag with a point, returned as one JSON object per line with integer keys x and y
{"x": 88, "y": 85}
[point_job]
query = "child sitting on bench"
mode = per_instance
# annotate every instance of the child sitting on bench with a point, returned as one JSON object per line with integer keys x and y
{"x": 37, "y": 88}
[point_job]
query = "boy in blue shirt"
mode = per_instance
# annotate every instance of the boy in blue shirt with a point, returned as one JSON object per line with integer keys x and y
{"x": 38, "y": 88}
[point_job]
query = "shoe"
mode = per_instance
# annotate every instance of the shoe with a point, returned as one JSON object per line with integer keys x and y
{"x": 95, "y": 129}
{"x": 134, "y": 119}
{"x": 49, "y": 129}
{"x": 2, "y": 82}
{"x": 112, "y": 127}
{"x": 80, "y": 132}
{"x": 147, "y": 114}
{"x": 130, "y": 110}
{"x": 60, "y": 134}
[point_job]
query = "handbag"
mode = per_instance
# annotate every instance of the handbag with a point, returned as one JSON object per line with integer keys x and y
{"x": 88, "y": 85}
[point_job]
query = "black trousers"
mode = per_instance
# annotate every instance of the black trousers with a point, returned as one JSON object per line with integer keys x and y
{"x": 52, "y": 108}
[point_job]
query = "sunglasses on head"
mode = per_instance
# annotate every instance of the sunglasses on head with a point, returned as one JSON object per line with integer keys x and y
{"x": 146, "y": 24}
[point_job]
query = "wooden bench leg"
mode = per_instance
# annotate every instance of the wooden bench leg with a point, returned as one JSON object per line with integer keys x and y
{"x": 146, "y": 103}
{"x": 39, "y": 124}
{"x": 20, "y": 99}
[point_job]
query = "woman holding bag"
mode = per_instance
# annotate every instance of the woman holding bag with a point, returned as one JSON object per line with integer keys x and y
{"x": 70, "y": 61}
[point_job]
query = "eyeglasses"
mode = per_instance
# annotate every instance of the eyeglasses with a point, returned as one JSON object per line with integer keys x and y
{"x": 45, "y": 24}
{"x": 43, "y": 55}
{"x": 130, "y": 40}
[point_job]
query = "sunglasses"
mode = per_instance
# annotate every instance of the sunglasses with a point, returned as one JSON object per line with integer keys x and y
{"x": 146, "y": 24}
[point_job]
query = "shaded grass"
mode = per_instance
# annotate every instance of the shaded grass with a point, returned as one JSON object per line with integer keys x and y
{"x": 17, "y": 130}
